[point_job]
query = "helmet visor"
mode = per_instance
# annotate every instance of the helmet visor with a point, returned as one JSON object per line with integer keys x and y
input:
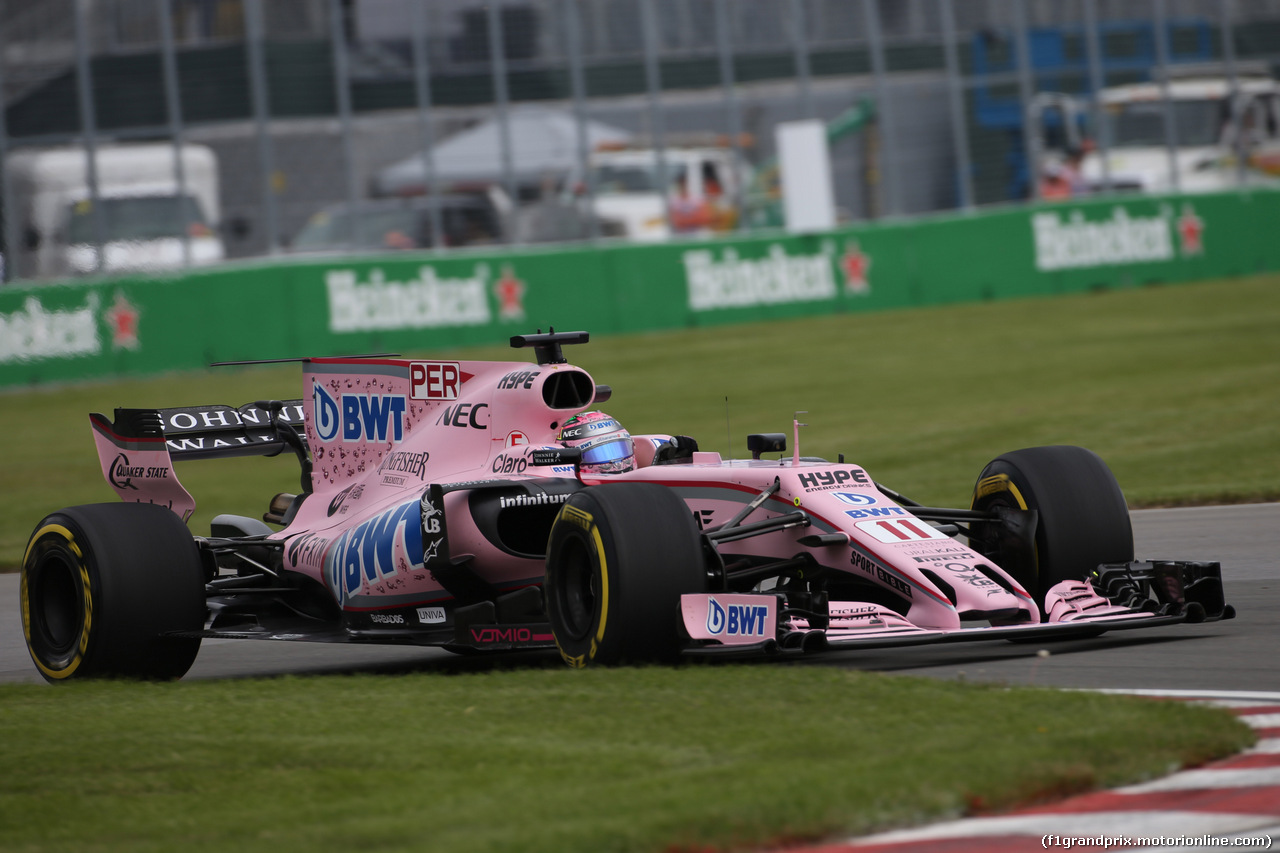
{"x": 609, "y": 451}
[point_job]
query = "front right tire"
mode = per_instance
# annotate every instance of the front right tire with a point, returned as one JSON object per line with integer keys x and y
{"x": 1083, "y": 516}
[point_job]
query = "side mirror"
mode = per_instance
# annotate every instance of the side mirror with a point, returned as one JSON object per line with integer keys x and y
{"x": 766, "y": 442}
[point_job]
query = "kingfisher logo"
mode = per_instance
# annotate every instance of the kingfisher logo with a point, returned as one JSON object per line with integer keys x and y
{"x": 358, "y": 417}
{"x": 737, "y": 620}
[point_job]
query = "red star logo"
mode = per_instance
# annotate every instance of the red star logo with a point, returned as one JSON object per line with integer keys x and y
{"x": 510, "y": 293}
{"x": 1191, "y": 231}
{"x": 122, "y": 318}
{"x": 855, "y": 264}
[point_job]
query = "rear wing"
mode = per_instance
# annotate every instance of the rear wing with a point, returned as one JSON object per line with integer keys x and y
{"x": 138, "y": 447}
{"x": 207, "y": 432}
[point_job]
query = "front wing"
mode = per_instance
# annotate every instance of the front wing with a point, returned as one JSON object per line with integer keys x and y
{"x": 1120, "y": 596}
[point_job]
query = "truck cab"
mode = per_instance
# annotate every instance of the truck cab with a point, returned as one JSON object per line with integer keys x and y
{"x": 1212, "y": 129}
{"x": 1215, "y": 124}
{"x": 703, "y": 188}
{"x": 148, "y": 221}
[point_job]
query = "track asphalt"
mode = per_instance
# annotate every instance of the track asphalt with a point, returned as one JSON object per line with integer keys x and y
{"x": 1229, "y": 804}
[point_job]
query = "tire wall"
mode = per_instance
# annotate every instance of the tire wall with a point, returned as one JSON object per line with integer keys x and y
{"x": 409, "y": 302}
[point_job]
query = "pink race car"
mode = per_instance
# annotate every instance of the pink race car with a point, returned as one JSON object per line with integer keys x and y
{"x": 485, "y": 506}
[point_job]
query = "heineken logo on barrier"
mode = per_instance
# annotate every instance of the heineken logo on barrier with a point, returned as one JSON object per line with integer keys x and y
{"x": 425, "y": 301}
{"x": 32, "y": 332}
{"x": 731, "y": 281}
{"x": 1072, "y": 242}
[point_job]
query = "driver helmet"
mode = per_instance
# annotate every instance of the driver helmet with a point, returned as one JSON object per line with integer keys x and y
{"x": 606, "y": 447}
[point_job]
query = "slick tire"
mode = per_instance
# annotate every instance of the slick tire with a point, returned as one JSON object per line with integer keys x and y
{"x": 618, "y": 559}
{"x": 1083, "y": 516}
{"x": 101, "y": 586}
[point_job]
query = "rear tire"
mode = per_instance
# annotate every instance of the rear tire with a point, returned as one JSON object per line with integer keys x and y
{"x": 102, "y": 584}
{"x": 618, "y": 559}
{"x": 1083, "y": 516}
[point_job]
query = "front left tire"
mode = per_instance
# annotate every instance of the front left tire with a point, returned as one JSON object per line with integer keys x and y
{"x": 618, "y": 559}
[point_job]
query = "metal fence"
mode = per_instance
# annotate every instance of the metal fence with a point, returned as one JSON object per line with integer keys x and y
{"x": 311, "y": 108}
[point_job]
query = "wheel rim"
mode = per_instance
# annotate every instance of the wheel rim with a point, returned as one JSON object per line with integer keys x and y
{"x": 55, "y": 598}
{"x": 1024, "y": 570}
{"x": 578, "y": 590}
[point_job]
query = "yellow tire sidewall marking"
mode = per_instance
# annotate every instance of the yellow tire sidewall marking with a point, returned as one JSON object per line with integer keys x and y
{"x": 604, "y": 588}
{"x": 1001, "y": 483}
{"x": 997, "y": 483}
{"x": 86, "y": 587}
{"x": 585, "y": 520}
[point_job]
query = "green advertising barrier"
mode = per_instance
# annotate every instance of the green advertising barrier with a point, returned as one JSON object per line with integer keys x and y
{"x": 407, "y": 302}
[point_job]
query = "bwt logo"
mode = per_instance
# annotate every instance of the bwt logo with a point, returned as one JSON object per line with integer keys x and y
{"x": 434, "y": 380}
{"x": 359, "y": 417}
{"x": 369, "y": 552}
{"x": 737, "y": 620}
{"x": 871, "y": 512}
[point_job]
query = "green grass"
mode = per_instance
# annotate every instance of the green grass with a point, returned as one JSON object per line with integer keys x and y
{"x": 694, "y": 758}
{"x": 1175, "y": 387}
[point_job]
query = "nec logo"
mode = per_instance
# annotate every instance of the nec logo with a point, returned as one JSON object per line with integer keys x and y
{"x": 434, "y": 380}
{"x": 359, "y": 417}
{"x": 463, "y": 415}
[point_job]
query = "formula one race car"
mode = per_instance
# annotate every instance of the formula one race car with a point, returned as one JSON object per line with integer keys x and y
{"x": 477, "y": 506}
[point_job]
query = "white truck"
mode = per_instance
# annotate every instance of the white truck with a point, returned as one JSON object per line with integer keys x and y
{"x": 1213, "y": 130}
{"x": 702, "y": 193}
{"x": 147, "y": 222}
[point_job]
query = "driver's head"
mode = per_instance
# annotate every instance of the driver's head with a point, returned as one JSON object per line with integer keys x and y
{"x": 606, "y": 447}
